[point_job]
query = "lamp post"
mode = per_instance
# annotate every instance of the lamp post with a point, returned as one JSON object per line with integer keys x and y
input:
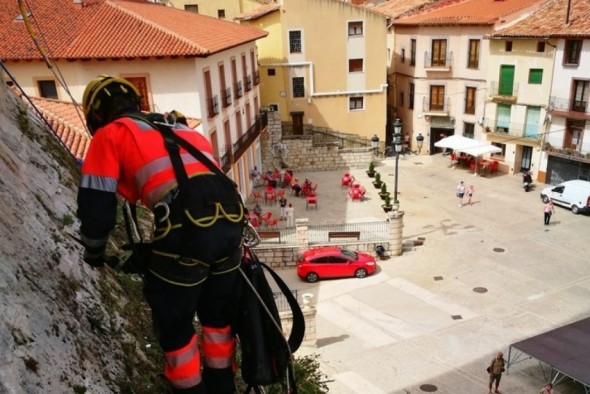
{"x": 419, "y": 141}
{"x": 375, "y": 143}
{"x": 398, "y": 145}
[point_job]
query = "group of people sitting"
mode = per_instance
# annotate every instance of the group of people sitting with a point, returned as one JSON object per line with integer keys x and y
{"x": 276, "y": 178}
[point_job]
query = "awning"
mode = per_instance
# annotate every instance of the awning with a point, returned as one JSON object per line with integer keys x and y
{"x": 480, "y": 150}
{"x": 456, "y": 142}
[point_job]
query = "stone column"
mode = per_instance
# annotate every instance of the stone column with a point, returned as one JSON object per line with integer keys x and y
{"x": 396, "y": 225}
{"x": 302, "y": 233}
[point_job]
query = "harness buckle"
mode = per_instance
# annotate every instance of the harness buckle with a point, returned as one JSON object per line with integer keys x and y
{"x": 251, "y": 237}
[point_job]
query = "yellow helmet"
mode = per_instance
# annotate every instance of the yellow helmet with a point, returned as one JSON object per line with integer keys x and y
{"x": 97, "y": 105}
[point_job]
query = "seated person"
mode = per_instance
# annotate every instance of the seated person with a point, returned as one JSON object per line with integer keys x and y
{"x": 257, "y": 210}
{"x": 269, "y": 180}
{"x": 295, "y": 187}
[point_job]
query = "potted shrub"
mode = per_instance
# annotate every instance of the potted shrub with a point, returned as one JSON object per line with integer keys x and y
{"x": 387, "y": 204}
{"x": 384, "y": 193}
{"x": 371, "y": 170}
{"x": 377, "y": 182}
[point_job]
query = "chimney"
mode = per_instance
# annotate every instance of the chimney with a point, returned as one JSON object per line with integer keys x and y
{"x": 78, "y": 3}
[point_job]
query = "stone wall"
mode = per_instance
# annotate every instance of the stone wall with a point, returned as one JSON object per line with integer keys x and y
{"x": 299, "y": 153}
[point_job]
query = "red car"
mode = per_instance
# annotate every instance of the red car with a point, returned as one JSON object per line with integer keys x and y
{"x": 334, "y": 262}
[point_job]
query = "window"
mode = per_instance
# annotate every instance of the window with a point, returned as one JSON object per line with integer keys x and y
{"x": 401, "y": 99}
{"x": 573, "y": 48}
{"x": 298, "y": 87}
{"x": 221, "y": 14}
{"x": 535, "y": 76}
{"x": 141, "y": 84}
{"x": 541, "y": 46}
{"x": 503, "y": 124}
{"x": 439, "y": 53}
{"x": 473, "y": 54}
{"x": 437, "y": 98}
{"x": 470, "y": 100}
{"x": 355, "y": 28}
{"x": 356, "y": 103}
{"x": 47, "y": 89}
{"x": 581, "y": 93}
{"x": 403, "y": 56}
{"x": 412, "y": 52}
{"x": 411, "y": 96}
{"x": 192, "y": 8}
{"x": 225, "y": 92}
{"x": 271, "y": 72}
{"x": 499, "y": 155}
{"x": 469, "y": 130}
{"x": 355, "y": 65}
{"x": 273, "y": 107}
{"x": 237, "y": 85}
{"x": 295, "y": 41}
{"x": 508, "y": 46}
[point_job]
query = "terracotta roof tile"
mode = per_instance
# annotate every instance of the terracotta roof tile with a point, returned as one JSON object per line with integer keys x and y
{"x": 396, "y": 8}
{"x": 258, "y": 12}
{"x": 467, "y": 12}
{"x": 69, "y": 124}
{"x": 550, "y": 21}
{"x": 103, "y": 29}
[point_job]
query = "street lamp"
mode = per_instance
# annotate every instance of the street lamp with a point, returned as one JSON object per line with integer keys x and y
{"x": 419, "y": 141}
{"x": 398, "y": 145}
{"x": 375, "y": 143}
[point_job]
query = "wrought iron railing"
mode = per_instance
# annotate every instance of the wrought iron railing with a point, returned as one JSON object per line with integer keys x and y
{"x": 237, "y": 149}
{"x": 567, "y": 105}
{"x": 437, "y": 61}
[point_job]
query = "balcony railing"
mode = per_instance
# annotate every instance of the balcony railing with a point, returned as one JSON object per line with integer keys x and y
{"x": 567, "y": 105}
{"x": 248, "y": 82}
{"x": 437, "y": 63}
{"x": 226, "y": 96}
{"x": 237, "y": 149}
{"x": 503, "y": 90}
{"x": 512, "y": 129}
{"x": 434, "y": 108}
{"x": 213, "y": 106}
{"x": 257, "y": 78}
{"x": 238, "y": 91}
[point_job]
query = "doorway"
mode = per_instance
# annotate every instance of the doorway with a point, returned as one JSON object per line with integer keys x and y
{"x": 525, "y": 160}
{"x": 437, "y": 134}
{"x": 297, "y": 121}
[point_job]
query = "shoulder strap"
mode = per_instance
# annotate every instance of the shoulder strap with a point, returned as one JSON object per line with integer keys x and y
{"x": 298, "y": 328}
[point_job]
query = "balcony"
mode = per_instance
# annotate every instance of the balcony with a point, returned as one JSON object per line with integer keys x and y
{"x": 503, "y": 93}
{"x": 212, "y": 106}
{"x": 248, "y": 83}
{"x": 438, "y": 64}
{"x": 226, "y": 96}
{"x": 517, "y": 133}
{"x": 574, "y": 109}
{"x": 238, "y": 91}
{"x": 236, "y": 150}
{"x": 435, "y": 109}
{"x": 257, "y": 78}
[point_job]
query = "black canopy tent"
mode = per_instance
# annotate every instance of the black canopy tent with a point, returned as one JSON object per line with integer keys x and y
{"x": 566, "y": 350}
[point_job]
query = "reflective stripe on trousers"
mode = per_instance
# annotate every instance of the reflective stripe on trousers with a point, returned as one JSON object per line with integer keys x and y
{"x": 183, "y": 366}
{"x": 218, "y": 347}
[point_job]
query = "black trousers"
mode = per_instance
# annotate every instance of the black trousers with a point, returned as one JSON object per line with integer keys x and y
{"x": 174, "y": 307}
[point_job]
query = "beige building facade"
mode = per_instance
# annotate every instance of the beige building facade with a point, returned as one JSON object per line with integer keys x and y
{"x": 330, "y": 74}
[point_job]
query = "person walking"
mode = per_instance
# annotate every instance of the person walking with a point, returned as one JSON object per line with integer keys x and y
{"x": 547, "y": 389}
{"x": 290, "y": 211}
{"x": 199, "y": 220}
{"x": 283, "y": 207}
{"x": 495, "y": 370}
{"x": 470, "y": 191}
{"x": 461, "y": 193}
{"x": 548, "y": 210}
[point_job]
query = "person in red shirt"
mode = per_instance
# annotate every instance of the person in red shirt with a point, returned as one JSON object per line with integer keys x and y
{"x": 196, "y": 244}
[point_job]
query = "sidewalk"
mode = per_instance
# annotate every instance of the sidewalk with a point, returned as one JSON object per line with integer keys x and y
{"x": 488, "y": 275}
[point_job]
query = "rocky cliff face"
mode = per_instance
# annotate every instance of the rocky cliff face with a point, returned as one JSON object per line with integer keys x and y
{"x": 64, "y": 328}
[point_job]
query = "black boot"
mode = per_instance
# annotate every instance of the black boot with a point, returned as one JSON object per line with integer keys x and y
{"x": 219, "y": 381}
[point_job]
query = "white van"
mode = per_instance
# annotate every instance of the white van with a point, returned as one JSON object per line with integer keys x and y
{"x": 570, "y": 194}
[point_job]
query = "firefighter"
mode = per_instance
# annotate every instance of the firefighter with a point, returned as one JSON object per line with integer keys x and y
{"x": 196, "y": 244}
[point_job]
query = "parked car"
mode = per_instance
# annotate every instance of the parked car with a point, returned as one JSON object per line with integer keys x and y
{"x": 574, "y": 195}
{"x": 334, "y": 262}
